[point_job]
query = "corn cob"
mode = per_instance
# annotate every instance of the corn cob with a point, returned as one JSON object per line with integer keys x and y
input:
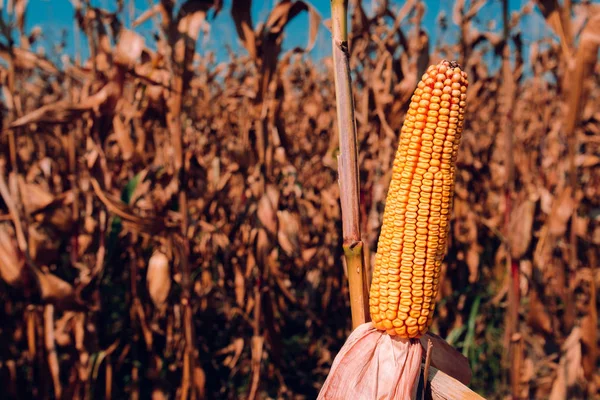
{"x": 413, "y": 238}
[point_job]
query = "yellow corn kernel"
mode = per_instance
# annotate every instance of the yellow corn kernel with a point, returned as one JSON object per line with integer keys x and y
{"x": 416, "y": 220}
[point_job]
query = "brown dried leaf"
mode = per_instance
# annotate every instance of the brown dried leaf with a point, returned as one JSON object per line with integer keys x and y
{"x": 289, "y": 227}
{"x": 262, "y": 248}
{"x": 308, "y": 254}
{"x": 158, "y": 279}
{"x": 240, "y": 11}
{"x": 267, "y": 212}
{"x": 63, "y": 111}
{"x": 559, "y": 387}
{"x": 286, "y": 11}
{"x": 562, "y": 209}
{"x": 256, "y": 346}
{"x": 63, "y": 328}
{"x": 19, "y": 9}
{"x": 25, "y": 59}
{"x": 159, "y": 393}
{"x": 537, "y": 317}
{"x": 123, "y": 136}
{"x": 147, "y": 14}
{"x": 587, "y": 160}
{"x": 572, "y": 355}
{"x": 129, "y": 48}
{"x": 560, "y": 24}
{"x": 42, "y": 248}
{"x": 236, "y": 347}
{"x": 132, "y": 221}
{"x": 240, "y": 287}
{"x": 12, "y": 208}
{"x": 34, "y": 196}
{"x": 49, "y": 342}
{"x": 53, "y": 289}
{"x": 447, "y": 359}
{"x": 521, "y": 222}
{"x": 11, "y": 264}
{"x": 589, "y": 332}
{"x": 472, "y": 259}
{"x": 200, "y": 381}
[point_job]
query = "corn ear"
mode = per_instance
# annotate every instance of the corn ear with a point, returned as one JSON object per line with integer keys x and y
{"x": 414, "y": 235}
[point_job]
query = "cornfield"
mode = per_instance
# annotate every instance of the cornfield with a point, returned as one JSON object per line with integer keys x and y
{"x": 170, "y": 222}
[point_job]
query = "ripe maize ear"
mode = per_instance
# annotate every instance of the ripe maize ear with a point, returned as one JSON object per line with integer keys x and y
{"x": 413, "y": 238}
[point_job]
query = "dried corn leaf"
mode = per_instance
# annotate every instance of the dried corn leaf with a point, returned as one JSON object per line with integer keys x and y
{"x": 537, "y": 316}
{"x": 521, "y": 222}
{"x": 289, "y": 227}
{"x": 562, "y": 209}
{"x": 267, "y": 212}
{"x": 11, "y": 263}
{"x": 158, "y": 278}
{"x": 34, "y": 196}
{"x": 54, "y": 289}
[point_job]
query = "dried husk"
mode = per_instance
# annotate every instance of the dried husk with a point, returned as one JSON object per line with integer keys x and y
{"x": 373, "y": 365}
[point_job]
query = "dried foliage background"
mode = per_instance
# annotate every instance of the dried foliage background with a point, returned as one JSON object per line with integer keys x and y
{"x": 170, "y": 225}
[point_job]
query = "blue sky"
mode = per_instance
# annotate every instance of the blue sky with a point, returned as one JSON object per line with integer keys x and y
{"x": 55, "y": 17}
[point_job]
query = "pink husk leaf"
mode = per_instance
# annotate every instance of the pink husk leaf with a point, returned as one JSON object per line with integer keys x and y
{"x": 373, "y": 365}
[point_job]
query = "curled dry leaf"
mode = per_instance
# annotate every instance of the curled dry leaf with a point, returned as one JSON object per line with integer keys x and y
{"x": 240, "y": 11}
{"x": 158, "y": 279}
{"x": 521, "y": 222}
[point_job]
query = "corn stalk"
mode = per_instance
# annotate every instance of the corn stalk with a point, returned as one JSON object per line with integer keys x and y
{"x": 512, "y": 262}
{"x": 348, "y": 164}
